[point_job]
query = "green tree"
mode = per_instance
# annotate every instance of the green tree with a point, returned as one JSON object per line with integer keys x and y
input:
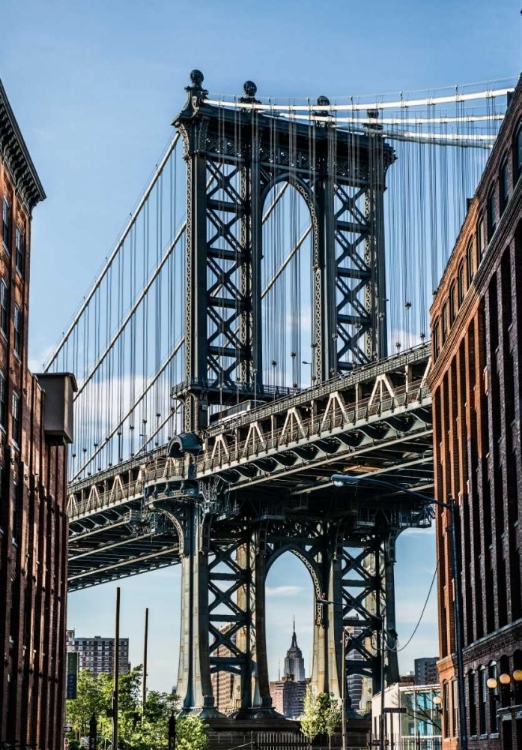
{"x": 93, "y": 697}
{"x": 330, "y": 715}
{"x": 310, "y": 720}
{"x": 191, "y": 733}
{"x": 139, "y": 727}
{"x": 321, "y": 715}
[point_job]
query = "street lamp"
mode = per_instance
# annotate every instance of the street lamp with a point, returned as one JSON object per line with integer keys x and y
{"x": 505, "y": 683}
{"x": 340, "y": 480}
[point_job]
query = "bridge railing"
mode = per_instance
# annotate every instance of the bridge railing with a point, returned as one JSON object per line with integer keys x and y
{"x": 338, "y": 382}
{"x": 318, "y": 426}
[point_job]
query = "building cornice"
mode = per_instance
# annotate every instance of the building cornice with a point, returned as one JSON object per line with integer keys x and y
{"x": 16, "y": 156}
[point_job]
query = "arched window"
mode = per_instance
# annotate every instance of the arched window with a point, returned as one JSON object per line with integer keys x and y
{"x": 492, "y": 213}
{"x": 470, "y": 259}
{"x": 504, "y": 185}
{"x": 482, "y": 696}
{"x": 452, "y": 304}
{"x": 472, "y": 703}
{"x": 518, "y": 151}
{"x": 461, "y": 282}
{"x": 444, "y": 319}
{"x": 445, "y": 709}
{"x": 493, "y": 698}
{"x": 436, "y": 339}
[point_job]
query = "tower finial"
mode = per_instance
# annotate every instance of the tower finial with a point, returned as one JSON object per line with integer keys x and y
{"x": 294, "y": 623}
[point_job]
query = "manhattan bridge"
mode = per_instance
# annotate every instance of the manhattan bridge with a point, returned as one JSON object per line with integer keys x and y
{"x": 261, "y": 324}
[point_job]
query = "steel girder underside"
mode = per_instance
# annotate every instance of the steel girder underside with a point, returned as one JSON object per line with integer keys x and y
{"x": 226, "y": 517}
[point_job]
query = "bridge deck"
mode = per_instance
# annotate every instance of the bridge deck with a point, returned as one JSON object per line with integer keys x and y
{"x": 376, "y": 419}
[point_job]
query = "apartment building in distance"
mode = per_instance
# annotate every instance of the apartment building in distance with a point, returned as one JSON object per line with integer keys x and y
{"x": 224, "y": 685}
{"x": 35, "y": 428}
{"x": 97, "y": 654}
{"x": 425, "y": 670}
{"x": 476, "y": 385}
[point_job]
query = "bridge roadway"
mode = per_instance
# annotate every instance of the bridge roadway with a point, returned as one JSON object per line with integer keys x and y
{"x": 278, "y": 456}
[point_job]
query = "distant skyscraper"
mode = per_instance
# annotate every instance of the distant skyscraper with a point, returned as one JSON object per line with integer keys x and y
{"x": 288, "y": 694}
{"x": 294, "y": 662}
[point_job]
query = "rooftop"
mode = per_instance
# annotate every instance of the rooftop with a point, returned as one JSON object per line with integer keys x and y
{"x": 15, "y": 153}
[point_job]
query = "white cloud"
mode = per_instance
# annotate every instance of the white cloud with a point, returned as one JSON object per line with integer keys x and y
{"x": 284, "y": 590}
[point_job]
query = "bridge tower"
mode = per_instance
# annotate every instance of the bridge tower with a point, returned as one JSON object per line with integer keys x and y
{"x": 229, "y": 540}
{"x": 341, "y": 177}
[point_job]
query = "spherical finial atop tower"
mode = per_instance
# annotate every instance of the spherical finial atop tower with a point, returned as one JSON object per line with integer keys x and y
{"x": 250, "y": 89}
{"x": 323, "y": 101}
{"x": 196, "y": 78}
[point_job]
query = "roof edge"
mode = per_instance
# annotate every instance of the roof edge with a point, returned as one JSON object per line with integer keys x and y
{"x": 18, "y": 159}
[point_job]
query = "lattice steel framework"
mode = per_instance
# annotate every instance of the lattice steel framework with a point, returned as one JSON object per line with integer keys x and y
{"x": 234, "y": 159}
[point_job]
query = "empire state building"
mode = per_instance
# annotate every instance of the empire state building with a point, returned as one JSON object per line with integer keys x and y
{"x": 294, "y": 662}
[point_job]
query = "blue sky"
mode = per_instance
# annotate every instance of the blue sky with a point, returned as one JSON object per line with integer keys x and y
{"x": 95, "y": 85}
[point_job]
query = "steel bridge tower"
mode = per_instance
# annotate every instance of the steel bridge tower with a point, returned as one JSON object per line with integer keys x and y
{"x": 229, "y": 540}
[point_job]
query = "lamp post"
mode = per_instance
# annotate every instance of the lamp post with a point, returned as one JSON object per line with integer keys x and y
{"x": 505, "y": 681}
{"x": 340, "y": 480}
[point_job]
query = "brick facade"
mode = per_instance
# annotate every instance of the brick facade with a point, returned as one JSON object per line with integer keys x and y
{"x": 476, "y": 388}
{"x": 33, "y": 521}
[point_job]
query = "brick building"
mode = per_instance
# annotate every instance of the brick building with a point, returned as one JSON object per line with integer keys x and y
{"x": 476, "y": 387}
{"x": 288, "y": 696}
{"x": 97, "y": 654}
{"x": 35, "y": 425}
{"x": 224, "y": 685}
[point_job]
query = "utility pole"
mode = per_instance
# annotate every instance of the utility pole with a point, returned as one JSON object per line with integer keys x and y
{"x": 145, "y": 650}
{"x": 116, "y": 673}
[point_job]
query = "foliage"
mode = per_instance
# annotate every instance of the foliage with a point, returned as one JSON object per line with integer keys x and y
{"x": 310, "y": 720}
{"x": 139, "y": 727}
{"x": 321, "y": 714}
{"x": 191, "y": 733}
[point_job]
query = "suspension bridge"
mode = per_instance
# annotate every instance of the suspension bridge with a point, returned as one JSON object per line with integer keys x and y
{"x": 261, "y": 324}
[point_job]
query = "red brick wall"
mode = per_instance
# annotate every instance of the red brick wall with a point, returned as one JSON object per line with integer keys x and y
{"x": 33, "y": 530}
{"x": 476, "y": 383}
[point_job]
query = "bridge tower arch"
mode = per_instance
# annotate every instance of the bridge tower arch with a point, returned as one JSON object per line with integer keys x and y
{"x": 233, "y": 159}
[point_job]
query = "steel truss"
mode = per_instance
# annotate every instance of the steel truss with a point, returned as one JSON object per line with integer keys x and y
{"x": 234, "y": 159}
{"x": 236, "y": 495}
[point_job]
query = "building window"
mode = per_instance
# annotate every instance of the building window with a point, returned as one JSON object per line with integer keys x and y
{"x": 6, "y": 223}
{"x": 20, "y": 246}
{"x": 492, "y": 214}
{"x": 4, "y": 302}
{"x": 461, "y": 283}
{"x": 482, "y": 700}
{"x": 452, "y": 305}
{"x": 504, "y": 185}
{"x": 444, "y": 319}
{"x": 518, "y": 151}
{"x": 17, "y": 330}
{"x": 3, "y": 399}
{"x": 445, "y": 708}
{"x": 455, "y": 708}
{"x": 15, "y": 418}
{"x": 472, "y": 703}
{"x": 493, "y": 699}
{"x": 469, "y": 255}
